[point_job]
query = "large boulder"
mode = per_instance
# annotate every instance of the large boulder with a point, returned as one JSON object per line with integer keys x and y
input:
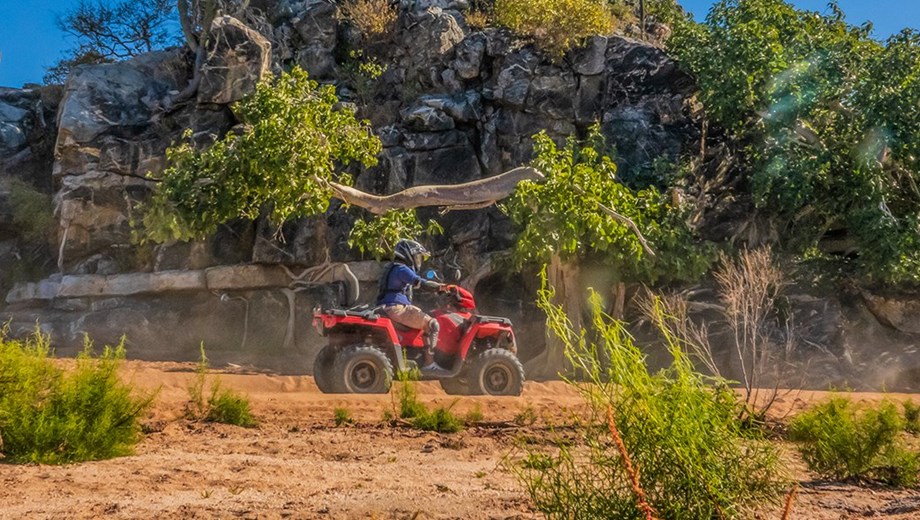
{"x": 237, "y": 58}
{"x": 469, "y": 54}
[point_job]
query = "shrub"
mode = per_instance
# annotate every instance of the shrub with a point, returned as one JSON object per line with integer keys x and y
{"x": 555, "y": 25}
{"x": 841, "y": 440}
{"x": 52, "y": 416}
{"x": 222, "y": 405}
{"x": 441, "y": 420}
{"x": 680, "y": 429}
{"x": 374, "y": 18}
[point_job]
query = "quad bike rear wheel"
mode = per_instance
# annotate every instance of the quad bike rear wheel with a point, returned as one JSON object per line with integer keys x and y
{"x": 322, "y": 371}
{"x": 496, "y": 372}
{"x": 360, "y": 369}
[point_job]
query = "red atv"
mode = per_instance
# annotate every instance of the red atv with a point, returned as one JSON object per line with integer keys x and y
{"x": 477, "y": 353}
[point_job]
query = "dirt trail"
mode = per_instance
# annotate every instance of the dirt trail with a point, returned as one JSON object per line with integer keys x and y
{"x": 297, "y": 464}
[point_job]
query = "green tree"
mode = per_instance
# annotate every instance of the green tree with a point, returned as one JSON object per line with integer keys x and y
{"x": 295, "y": 137}
{"x": 582, "y": 213}
{"x": 826, "y": 120}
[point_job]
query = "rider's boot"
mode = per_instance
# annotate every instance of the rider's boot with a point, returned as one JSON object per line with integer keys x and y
{"x": 429, "y": 365}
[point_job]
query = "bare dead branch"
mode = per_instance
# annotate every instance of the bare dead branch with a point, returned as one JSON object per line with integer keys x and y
{"x": 466, "y": 195}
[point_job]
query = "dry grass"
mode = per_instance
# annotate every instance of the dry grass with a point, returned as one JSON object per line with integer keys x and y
{"x": 477, "y": 19}
{"x": 376, "y": 19}
{"x": 750, "y": 287}
{"x": 555, "y": 26}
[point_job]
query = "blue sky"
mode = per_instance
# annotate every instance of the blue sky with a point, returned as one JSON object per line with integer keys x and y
{"x": 30, "y": 41}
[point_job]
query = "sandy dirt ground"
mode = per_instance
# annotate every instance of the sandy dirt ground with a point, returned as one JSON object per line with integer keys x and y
{"x": 298, "y": 464}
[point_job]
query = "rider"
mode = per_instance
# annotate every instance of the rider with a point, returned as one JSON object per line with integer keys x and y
{"x": 395, "y": 294}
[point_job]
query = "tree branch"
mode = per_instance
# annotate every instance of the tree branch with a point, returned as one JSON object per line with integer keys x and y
{"x": 622, "y": 219}
{"x": 468, "y": 195}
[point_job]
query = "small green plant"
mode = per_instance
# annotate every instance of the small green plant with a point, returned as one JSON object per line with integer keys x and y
{"x": 343, "y": 417}
{"x": 526, "y": 417}
{"x": 408, "y": 407}
{"x": 362, "y": 74}
{"x": 52, "y": 416}
{"x": 220, "y": 405}
{"x": 474, "y": 415}
{"x": 911, "y": 417}
{"x": 842, "y": 440}
{"x": 407, "y": 396}
{"x": 555, "y": 25}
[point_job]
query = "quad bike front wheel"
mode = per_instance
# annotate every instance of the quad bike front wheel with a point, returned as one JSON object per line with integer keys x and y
{"x": 496, "y": 372}
{"x": 361, "y": 369}
{"x": 322, "y": 370}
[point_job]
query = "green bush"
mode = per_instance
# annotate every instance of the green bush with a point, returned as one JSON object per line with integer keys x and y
{"x": 52, "y": 416}
{"x": 555, "y": 25}
{"x": 221, "y": 405}
{"x": 841, "y": 440}
{"x": 680, "y": 430}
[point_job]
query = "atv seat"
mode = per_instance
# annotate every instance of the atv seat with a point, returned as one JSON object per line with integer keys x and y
{"x": 492, "y": 319}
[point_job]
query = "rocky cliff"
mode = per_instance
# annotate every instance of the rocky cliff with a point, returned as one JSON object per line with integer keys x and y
{"x": 452, "y": 104}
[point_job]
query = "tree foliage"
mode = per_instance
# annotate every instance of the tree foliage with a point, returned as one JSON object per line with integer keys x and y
{"x": 295, "y": 139}
{"x": 106, "y": 32}
{"x": 564, "y": 216}
{"x": 377, "y": 237}
{"x": 828, "y": 119}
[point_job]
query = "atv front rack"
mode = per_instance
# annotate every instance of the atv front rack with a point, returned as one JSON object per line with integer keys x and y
{"x": 493, "y": 319}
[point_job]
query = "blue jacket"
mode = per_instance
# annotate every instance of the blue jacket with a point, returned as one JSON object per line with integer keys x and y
{"x": 396, "y": 285}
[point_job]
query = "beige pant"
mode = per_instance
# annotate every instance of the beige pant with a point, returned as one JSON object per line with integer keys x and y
{"x": 408, "y": 316}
